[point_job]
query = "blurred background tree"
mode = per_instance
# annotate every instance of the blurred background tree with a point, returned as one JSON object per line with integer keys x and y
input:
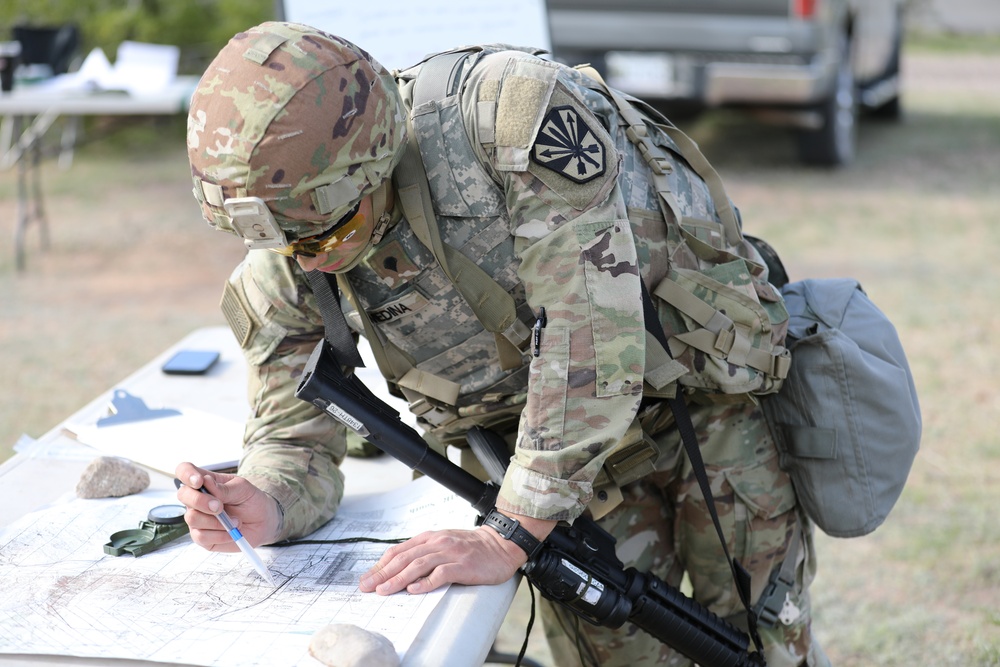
{"x": 199, "y": 27}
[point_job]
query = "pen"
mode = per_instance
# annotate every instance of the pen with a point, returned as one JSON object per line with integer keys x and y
{"x": 241, "y": 541}
{"x": 537, "y": 331}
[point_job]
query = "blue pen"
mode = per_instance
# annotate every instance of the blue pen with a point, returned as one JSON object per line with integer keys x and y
{"x": 241, "y": 541}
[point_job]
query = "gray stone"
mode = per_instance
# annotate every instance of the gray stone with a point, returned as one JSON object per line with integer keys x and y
{"x": 111, "y": 477}
{"x": 346, "y": 645}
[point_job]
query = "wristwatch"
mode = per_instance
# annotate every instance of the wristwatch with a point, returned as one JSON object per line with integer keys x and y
{"x": 510, "y": 529}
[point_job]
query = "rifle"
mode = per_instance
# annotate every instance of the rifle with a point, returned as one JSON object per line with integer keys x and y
{"x": 576, "y": 565}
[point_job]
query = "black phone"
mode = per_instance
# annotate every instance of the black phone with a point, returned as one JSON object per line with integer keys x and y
{"x": 190, "y": 362}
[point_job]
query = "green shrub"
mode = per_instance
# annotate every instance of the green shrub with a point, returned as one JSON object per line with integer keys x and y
{"x": 199, "y": 27}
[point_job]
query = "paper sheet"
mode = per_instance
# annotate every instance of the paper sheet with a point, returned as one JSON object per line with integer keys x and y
{"x": 139, "y": 68}
{"x": 182, "y": 604}
{"x": 399, "y": 33}
{"x": 205, "y": 439}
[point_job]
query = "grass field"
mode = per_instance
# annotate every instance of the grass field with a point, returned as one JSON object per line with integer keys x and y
{"x": 131, "y": 270}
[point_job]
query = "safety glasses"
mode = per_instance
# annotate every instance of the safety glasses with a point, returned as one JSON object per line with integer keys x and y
{"x": 329, "y": 240}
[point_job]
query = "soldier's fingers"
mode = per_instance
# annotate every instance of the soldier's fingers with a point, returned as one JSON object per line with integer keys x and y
{"x": 213, "y": 539}
{"x": 418, "y": 568}
{"x": 398, "y": 566}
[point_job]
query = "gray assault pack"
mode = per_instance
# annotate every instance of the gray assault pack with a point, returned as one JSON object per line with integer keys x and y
{"x": 847, "y": 420}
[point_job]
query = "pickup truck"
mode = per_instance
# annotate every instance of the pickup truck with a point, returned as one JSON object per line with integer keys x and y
{"x": 813, "y": 65}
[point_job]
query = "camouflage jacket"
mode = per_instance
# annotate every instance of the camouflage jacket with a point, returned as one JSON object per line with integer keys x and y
{"x": 533, "y": 177}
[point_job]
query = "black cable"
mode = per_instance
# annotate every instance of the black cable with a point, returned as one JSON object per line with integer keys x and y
{"x": 531, "y": 623}
{"x": 345, "y": 540}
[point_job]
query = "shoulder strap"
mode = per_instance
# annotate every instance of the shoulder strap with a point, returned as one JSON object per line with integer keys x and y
{"x": 397, "y": 367}
{"x": 493, "y": 305}
{"x": 636, "y": 132}
{"x": 440, "y": 76}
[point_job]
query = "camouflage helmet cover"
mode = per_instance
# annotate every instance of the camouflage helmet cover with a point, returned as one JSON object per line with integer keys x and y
{"x": 306, "y": 121}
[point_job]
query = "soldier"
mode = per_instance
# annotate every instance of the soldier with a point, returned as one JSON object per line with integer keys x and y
{"x": 298, "y": 142}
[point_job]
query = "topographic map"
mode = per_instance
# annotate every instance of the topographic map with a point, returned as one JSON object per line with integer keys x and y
{"x": 63, "y": 596}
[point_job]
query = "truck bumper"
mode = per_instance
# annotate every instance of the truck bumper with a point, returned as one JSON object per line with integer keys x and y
{"x": 708, "y": 59}
{"x": 758, "y": 83}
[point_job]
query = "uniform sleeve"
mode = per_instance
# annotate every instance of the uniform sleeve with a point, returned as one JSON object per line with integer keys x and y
{"x": 292, "y": 450}
{"x": 578, "y": 261}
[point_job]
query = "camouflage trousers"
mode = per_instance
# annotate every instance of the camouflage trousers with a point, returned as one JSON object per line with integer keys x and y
{"x": 664, "y": 527}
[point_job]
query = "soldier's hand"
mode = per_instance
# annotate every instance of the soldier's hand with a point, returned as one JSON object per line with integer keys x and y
{"x": 254, "y": 512}
{"x": 432, "y": 559}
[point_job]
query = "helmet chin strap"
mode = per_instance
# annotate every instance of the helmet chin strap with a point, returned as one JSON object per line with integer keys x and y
{"x": 383, "y": 220}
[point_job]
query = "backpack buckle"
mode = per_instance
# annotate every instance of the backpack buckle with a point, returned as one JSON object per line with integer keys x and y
{"x": 775, "y": 604}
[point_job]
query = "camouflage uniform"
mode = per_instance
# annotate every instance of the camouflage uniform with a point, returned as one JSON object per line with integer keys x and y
{"x": 573, "y": 235}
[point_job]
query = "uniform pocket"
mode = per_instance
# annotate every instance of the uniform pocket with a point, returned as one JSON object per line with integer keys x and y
{"x": 765, "y": 489}
{"x": 612, "y": 276}
{"x": 549, "y": 380}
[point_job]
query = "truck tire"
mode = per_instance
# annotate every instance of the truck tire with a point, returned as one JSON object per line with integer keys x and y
{"x": 835, "y": 142}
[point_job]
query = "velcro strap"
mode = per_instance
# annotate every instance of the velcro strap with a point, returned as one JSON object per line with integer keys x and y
{"x": 510, "y": 357}
{"x": 328, "y": 197}
{"x": 631, "y": 462}
{"x": 263, "y": 46}
{"x": 213, "y": 193}
{"x": 518, "y": 333}
{"x": 431, "y": 385}
{"x": 698, "y": 310}
{"x": 660, "y": 370}
{"x": 632, "y": 458}
{"x": 435, "y": 415}
{"x": 199, "y": 193}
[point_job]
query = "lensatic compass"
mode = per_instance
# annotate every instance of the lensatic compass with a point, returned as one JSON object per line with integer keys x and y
{"x": 164, "y": 524}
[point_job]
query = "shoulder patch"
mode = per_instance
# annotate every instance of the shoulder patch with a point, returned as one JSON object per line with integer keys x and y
{"x": 566, "y": 145}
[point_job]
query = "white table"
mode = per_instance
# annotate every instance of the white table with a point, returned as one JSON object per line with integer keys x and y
{"x": 29, "y": 112}
{"x": 460, "y": 631}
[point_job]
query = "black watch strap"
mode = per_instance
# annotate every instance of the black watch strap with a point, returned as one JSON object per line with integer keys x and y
{"x": 510, "y": 529}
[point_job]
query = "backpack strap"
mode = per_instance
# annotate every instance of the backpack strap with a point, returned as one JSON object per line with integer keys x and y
{"x": 661, "y": 167}
{"x": 720, "y": 335}
{"x": 492, "y": 304}
{"x": 441, "y": 75}
{"x": 429, "y": 396}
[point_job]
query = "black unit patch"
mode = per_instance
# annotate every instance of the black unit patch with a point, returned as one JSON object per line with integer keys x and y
{"x": 566, "y": 145}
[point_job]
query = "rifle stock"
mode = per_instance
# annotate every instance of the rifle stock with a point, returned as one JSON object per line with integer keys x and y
{"x": 576, "y": 567}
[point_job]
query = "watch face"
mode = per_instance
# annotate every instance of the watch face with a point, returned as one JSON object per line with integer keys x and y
{"x": 167, "y": 514}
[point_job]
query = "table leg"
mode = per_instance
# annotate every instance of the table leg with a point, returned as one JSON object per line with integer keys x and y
{"x": 29, "y": 204}
{"x": 22, "y": 205}
{"x": 38, "y": 201}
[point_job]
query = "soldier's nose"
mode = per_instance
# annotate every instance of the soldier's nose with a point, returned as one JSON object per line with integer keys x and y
{"x": 312, "y": 263}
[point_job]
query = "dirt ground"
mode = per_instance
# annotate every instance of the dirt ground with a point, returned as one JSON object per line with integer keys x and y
{"x": 130, "y": 269}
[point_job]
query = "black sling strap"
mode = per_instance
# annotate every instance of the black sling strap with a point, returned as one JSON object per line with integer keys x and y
{"x": 682, "y": 417}
{"x": 335, "y": 328}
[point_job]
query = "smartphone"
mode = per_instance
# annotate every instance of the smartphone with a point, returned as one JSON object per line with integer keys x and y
{"x": 190, "y": 362}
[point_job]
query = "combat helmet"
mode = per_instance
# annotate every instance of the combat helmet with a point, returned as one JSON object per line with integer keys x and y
{"x": 289, "y": 128}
